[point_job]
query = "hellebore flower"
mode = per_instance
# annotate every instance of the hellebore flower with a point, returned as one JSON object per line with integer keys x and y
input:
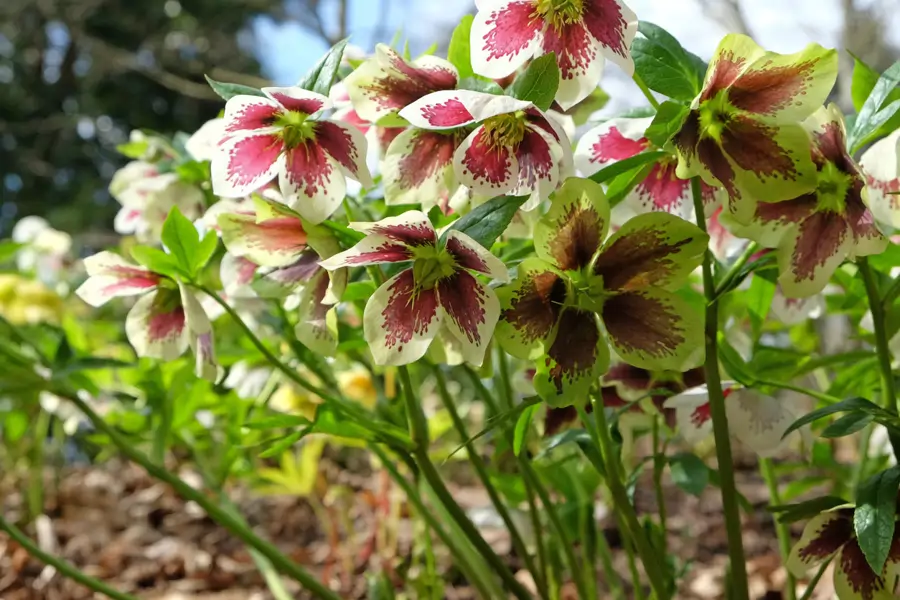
{"x": 514, "y": 149}
{"x": 831, "y": 534}
{"x": 881, "y": 164}
{"x": 819, "y": 229}
{"x": 166, "y": 319}
{"x": 756, "y": 420}
{"x": 436, "y": 294}
{"x": 661, "y": 190}
{"x": 506, "y": 33}
{"x": 288, "y": 252}
{"x": 554, "y": 309}
{"x": 201, "y": 146}
{"x": 386, "y": 83}
{"x": 147, "y": 196}
{"x": 743, "y": 131}
{"x": 284, "y": 134}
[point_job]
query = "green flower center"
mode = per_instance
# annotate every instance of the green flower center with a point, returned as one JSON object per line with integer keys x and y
{"x": 585, "y": 291}
{"x": 833, "y": 186}
{"x": 505, "y": 131}
{"x": 559, "y": 13}
{"x": 715, "y": 115}
{"x": 296, "y": 128}
{"x": 431, "y": 266}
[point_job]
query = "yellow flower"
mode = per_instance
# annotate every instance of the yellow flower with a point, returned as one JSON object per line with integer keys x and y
{"x": 25, "y": 301}
{"x": 356, "y": 384}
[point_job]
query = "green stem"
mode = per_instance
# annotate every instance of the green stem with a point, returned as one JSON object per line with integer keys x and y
{"x": 727, "y": 279}
{"x": 556, "y": 523}
{"x": 606, "y": 562}
{"x": 428, "y": 516}
{"x": 827, "y": 398}
{"x": 216, "y": 512}
{"x": 622, "y": 505}
{"x": 782, "y": 530}
{"x": 60, "y": 565}
{"x": 811, "y": 588}
{"x": 659, "y": 464}
{"x": 739, "y": 583}
{"x": 36, "y": 468}
{"x": 637, "y": 586}
{"x": 419, "y": 434}
{"x": 359, "y": 415}
{"x": 485, "y": 478}
{"x": 646, "y": 91}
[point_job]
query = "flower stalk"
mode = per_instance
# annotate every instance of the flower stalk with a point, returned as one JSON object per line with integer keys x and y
{"x": 782, "y": 530}
{"x": 739, "y": 583}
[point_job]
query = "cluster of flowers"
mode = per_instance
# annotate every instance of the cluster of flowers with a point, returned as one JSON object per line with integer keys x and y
{"x": 773, "y": 160}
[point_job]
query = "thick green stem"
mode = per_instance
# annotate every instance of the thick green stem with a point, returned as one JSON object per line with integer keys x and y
{"x": 727, "y": 279}
{"x": 879, "y": 321}
{"x": 646, "y": 91}
{"x": 622, "y": 505}
{"x": 419, "y": 434}
{"x": 782, "y": 530}
{"x": 222, "y": 516}
{"x": 481, "y": 471}
{"x": 60, "y": 565}
{"x": 739, "y": 583}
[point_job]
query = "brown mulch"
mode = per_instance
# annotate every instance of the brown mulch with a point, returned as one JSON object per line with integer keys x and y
{"x": 117, "y": 524}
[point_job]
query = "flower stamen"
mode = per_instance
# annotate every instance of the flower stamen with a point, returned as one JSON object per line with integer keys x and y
{"x": 505, "y": 131}
{"x": 559, "y": 13}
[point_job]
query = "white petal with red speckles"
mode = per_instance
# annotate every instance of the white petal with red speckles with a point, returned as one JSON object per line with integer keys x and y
{"x": 759, "y": 421}
{"x": 881, "y": 164}
{"x": 483, "y": 168}
{"x": 613, "y": 25}
{"x": 610, "y": 142}
{"x": 412, "y": 228}
{"x": 244, "y": 163}
{"x": 237, "y": 275}
{"x": 692, "y": 414}
{"x": 400, "y": 321}
{"x": 455, "y": 108}
{"x": 275, "y": 242}
{"x": 539, "y": 157}
{"x": 349, "y": 147}
{"x": 504, "y": 36}
{"x": 471, "y": 255}
{"x": 471, "y": 310}
{"x": 111, "y": 276}
{"x": 155, "y": 325}
{"x": 311, "y": 181}
{"x": 579, "y": 60}
{"x": 249, "y": 114}
{"x": 297, "y": 99}
{"x": 418, "y": 168}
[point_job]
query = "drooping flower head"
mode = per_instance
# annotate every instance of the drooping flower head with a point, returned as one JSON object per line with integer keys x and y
{"x": 281, "y": 256}
{"x": 166, "y": 319}
{"x": 661, "y": 190}
{"x": 831, "y": 534}
{"x": 881, "y": 164}
{"x": 506, "y": 33}
{"x": 743, "y": 132}
{"x": 286, "y": 134}
{"x": 818, "y": 230}
{"x": 755, "y": 419}
{"x": 514, "y": 148}
{"x": 436, "y": 293}
{"x": 554, "y": 310}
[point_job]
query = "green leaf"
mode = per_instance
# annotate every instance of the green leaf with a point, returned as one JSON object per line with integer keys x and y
{"x": 621, "y": 185}
{"x": 583, "y": 440}
{"x": 133, "y": 149}
{"x": 868, "y": 121}
{"x": 358, "y": 290}
{"x": 733, "y": 363}
{"x": 523, "y": 424}
{"x": 538, "y": 83}
{"x": 206, "y": 250}
{"x": 8, "y": 249}
{"x": 283, "y": 444}
{"x": 89, "y": 363}
{"x": 759, "y": 301}
{"x": 689, "y": 473}
{"x": 848, "y": 424}
{"x": 629, "y": 164}
{"x": 157, "y": 261}
{"x": 664, "y": 65}
{"x": 348, "y": 237}
{"x": 791, "y": 513}
{"x": 873, "y": 519}
{"x": 230, "y": 90}
{"x": 479, "y": 84}
{"x": 850, "y": 404}
{"x": 487, "y": 222}
{"x": 459, "y": 53}
{"x": 321, "y": 77}
{"x": 668, "y": 121}
{"x": 864, "y": 80}
{"x": 278, "y": 421}
{"x": 582, "y": 111}
{"x": 182, "y": 239}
